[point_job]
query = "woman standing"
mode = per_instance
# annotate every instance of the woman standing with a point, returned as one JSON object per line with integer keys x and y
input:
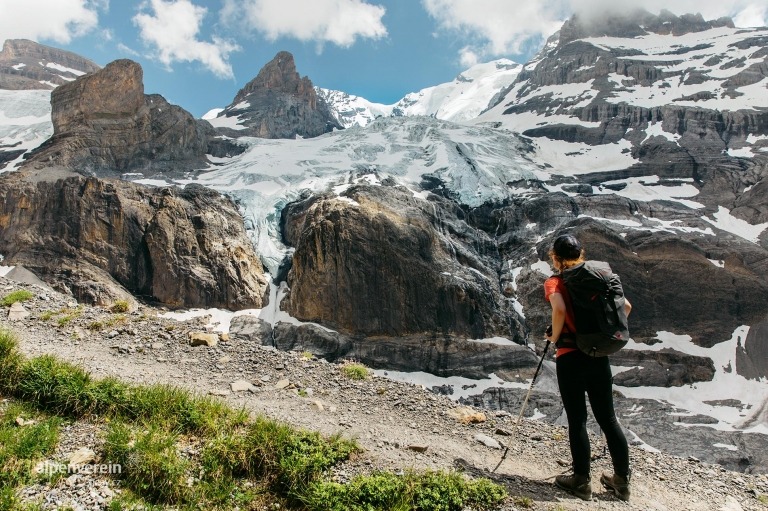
{"x": 577, "y": 374}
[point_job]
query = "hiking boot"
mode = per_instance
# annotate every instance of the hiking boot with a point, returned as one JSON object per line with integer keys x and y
{"x": 619, "y": 485}
{"x": 576, "y": 484}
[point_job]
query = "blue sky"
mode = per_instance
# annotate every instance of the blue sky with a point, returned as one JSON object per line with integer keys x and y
{"x": 199, "y": 53}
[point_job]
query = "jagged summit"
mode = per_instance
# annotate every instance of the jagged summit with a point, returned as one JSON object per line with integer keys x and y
{"x": 634, "y": 23}
{"x": 25, "y": 64}
{"x": 280, "y": 75}
{"x": 278, "y": 103}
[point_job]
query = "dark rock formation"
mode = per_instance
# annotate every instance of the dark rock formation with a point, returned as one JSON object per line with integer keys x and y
{"x": 104, "y": 124}
{"x": 26, "y": 64}
{"x": 386, "y": 265}
{"x": 752, "y": 352}
{"x": 278, "y": 103}
{"x": 98, "y": 238}
{"x": 665, "y": 368}
{"x": 440, "y": 356}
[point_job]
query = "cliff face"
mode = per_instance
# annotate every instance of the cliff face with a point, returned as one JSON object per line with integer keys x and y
{"x": 376, "y": 263}
{"x": 26, "y": 64}
{"x": 278, "y": 103}
{"x": 104, "y": 124}
{"x": 98, "y": 238}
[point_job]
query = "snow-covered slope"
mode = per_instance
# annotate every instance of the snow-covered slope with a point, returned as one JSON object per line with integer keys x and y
{"x": 474, "y": 164}
{"x": 25, "y": 123}
{"x": 588, "y": 98}
{"x": 459, "y": 100}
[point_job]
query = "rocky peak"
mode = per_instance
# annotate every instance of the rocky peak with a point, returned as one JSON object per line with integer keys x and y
{"x": 104, "y": 124}
{"x": 635, "y": 23}
{"x": 278, "y": 103}
{"x": 25, "y": 64}
{"x": 279, "y": 75}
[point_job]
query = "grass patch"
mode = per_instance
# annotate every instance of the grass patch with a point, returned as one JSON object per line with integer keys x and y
{"x": 16, "y": 296}
{"x": 117, "y": 319}
{"x": 120, "y": 306}
{"x": 95, "y": 326}
{"x": 22, "y": 446}
{"x": 428, "y": 491}
{"x": 190, "y": 452}
{"x": 524, "y": 502}
{"x": 46, "y": 315}
{"x": 355, "y": 371}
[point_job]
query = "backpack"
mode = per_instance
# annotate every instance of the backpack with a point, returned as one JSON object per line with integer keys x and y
{"x": 597, "y": 298}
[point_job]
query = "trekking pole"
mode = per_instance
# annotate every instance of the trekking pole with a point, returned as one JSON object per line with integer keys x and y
{"x": 525, "y": 402}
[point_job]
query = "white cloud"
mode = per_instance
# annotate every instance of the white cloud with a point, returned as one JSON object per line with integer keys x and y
{"x": 340, "y": 22}
{"x": 501, "y": 27}
{"x": 752, "y": 16}
{"x": 172, "y": 28}
{"x": 468, "y": 57}
{"x": 56, "y": 20}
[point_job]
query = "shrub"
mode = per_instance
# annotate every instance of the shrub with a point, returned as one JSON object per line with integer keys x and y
{"x": 16, "y": 296}
{"x": 355, "y": 371}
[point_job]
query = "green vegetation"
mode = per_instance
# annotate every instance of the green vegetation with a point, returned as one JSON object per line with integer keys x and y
{"x": 95, "y": 326}
{"x": 524, "y": 502}
{"x": 16, "y": 296}
{"x": 115, "y": 320}
{"x": 21, "y": 446}
{"x": 438, "y": 491}
{"x": 191, "y": 452}
{"x": 120, "y": 306}
{"x": 355, "y": 371}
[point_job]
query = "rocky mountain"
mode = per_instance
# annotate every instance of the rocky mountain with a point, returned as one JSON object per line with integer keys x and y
{"x": 278, "y": 103}
{"x": 460, "y": 100}
{"x": 636, "y": 94}
{"x": 26, "y": 65}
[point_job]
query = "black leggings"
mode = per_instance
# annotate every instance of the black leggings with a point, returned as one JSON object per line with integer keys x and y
{"x": 578, "y": 373}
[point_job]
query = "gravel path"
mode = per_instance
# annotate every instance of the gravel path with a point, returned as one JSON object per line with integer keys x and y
{"x": 400, "y": 426}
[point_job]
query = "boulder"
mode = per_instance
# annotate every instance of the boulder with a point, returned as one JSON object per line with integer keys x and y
{"x": 251, "y": 328}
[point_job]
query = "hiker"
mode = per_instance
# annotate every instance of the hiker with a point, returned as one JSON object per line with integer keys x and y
{"x": 578, "y": 373}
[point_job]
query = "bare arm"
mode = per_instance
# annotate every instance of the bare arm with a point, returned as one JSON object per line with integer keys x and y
{"x": 558, "y": 316}
{"x": 627, "y": 306}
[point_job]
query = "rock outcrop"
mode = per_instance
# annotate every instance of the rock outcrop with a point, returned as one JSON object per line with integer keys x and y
{"x": 100, "y": 239}
{"x": 26, "y": 64}
{"x": 378, "y": 262}
{"x": 443, "y": 356}
{"x": 278, "y": 103}
{"x": 104, "y": 124}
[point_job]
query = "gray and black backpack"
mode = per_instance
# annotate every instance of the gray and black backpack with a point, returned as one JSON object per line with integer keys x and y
{"x": 598, "y": 307}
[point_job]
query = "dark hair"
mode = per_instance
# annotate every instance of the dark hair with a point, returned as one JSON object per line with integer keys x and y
{"x": 567, "y": 247}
